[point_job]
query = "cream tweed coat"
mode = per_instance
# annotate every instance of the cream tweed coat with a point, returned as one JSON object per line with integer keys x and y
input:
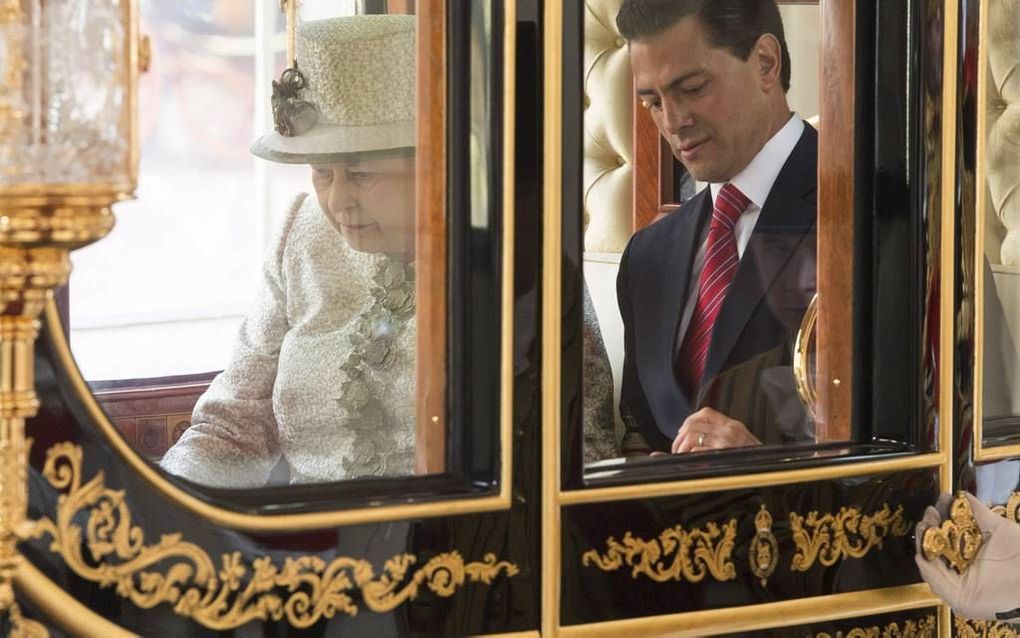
{"x": 282, "y": 392}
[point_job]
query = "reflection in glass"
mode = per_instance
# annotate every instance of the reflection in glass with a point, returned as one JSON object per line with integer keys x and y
{"x": 323, "y": 370}
{"x": 999, "y": 227}
{"x": 696, "y": 315}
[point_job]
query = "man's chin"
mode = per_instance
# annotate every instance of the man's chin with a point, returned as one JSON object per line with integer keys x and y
{"x": 700, "y": 171}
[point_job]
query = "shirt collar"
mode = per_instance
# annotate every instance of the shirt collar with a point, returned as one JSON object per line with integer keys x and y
{"x": 757, "y": 178}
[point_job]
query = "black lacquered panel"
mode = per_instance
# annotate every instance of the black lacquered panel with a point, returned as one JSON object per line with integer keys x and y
{"x": 693, "y": 552}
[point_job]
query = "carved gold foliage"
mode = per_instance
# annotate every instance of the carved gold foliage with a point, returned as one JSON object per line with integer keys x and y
{"x": 847, "y": 534}
{"x": 924, "y": 628}
{"x": 230, "y": 593}
{"x": 22, "y": 627}
{"x": 957, "y": 539}
{"x": 983, "y": 628}
{"x": 677, "y": 554}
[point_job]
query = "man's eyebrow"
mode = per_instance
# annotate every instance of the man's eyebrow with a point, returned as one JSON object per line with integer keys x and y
{"x": 680, "y": 79}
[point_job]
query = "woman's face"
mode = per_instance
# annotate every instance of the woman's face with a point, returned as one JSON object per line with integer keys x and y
{"x": 371, "y": 203}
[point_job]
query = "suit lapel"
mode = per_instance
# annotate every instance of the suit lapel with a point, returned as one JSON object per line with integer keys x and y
{"x": 790, "y": 212}
{"x": 667, "y": 280}
{"x": 678, "y": 268}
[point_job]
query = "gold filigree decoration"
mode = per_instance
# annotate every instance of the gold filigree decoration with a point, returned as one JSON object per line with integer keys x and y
{"x": 847, "y": 534}
{"x": 225, "y": 596}
{"x": 694, "y": 554}
{"x": 1011, "y": 510}
{"x": 957, "y": 540}
{"x": 22, "y": 627}
{"x": 764, "y": 554}
{"x": 923, "y": 628}
{"x": 983, "y": 628}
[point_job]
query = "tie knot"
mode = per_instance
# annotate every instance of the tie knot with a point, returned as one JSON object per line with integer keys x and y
{"x": 729, "y": 205}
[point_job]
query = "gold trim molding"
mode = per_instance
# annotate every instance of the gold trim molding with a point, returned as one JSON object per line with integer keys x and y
{"x": 924, "y": 628}
{"x": 846, "y": 534}
{"x": 983, "y": 628}
{"x": 231, "y": 593}
{"x": 695, "y": 554}
{"x": 957, "y": 540}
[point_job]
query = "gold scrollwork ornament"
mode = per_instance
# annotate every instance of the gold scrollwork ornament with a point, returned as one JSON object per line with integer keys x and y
{"x": 764, "y": 554}
{"x": 847, "y": 534}
{"x": 302, "y": 591}
{"x": 1011, "y": 510}
{"x": 22, "y": 627}
{"x": 695, "y": 554}
{"x": 983, "y": 628}
{"x": 957, "y": 540}
{"x": 924, "y": 628}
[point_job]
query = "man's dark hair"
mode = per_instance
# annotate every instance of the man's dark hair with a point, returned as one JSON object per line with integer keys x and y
{"x": 734, "y": 25}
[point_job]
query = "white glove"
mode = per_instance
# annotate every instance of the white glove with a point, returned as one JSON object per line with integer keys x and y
{"x": 990, "y": 588}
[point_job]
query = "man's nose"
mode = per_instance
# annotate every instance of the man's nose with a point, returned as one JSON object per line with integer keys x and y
{"x": 675, "y": 117}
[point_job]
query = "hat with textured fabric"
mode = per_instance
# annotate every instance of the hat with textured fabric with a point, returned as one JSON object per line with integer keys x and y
{"x": 352, "y": 91}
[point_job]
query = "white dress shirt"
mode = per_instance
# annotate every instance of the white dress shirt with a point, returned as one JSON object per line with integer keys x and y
{"x": 755, "y": 182}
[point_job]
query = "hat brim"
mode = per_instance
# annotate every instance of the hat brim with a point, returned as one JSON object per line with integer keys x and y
{"x": 324, "y": 143}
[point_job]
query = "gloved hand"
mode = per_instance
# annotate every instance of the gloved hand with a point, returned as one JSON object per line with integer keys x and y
{"x": 990, "y": 588}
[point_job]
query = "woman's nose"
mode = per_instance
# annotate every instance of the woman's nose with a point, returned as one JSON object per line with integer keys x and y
{"x": 341, "y": 194}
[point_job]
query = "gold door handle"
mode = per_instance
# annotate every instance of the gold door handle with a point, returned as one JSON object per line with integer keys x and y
{"x": 957, "y": 540}
{"x": 802, "y": 358}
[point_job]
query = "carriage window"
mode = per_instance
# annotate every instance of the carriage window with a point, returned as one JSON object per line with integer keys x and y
{"x": 279, "y": 312}
{"x": 997, "y": 258}
{"x": 701, "y": 236}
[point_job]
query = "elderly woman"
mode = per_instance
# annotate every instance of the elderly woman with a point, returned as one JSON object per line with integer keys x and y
{"x": 322, "y": 373}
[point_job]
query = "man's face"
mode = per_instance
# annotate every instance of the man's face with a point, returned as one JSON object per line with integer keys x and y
{"x": 711, "y": 106}
{"x": 371, "y": 202}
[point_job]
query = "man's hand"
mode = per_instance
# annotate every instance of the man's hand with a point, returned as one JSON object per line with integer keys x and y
{"x": 990, "y": 588}
{"x": 707, "y": 429}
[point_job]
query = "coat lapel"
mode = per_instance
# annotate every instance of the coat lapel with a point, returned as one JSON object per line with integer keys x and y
{"x": 789, "y": 213}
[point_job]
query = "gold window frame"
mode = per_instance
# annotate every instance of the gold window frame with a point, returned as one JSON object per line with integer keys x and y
{"x": 980, "y": 450}
{"x": 554, "y": 497}
{"x": 315, "y": 520}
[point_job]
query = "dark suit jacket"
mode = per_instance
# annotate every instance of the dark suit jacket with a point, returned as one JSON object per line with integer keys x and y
{"x": 759, "y": 315}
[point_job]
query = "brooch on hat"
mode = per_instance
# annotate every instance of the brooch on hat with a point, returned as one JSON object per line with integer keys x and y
{"x": 292, "y": 115}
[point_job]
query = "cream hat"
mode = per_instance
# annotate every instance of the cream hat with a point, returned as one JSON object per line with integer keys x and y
{"x": 353, "y": 91}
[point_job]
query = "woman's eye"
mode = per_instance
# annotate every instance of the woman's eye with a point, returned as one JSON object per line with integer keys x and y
{"x": 360, "y": 177}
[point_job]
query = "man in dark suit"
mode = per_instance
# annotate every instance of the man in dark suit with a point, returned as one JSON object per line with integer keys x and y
{"x": 712, "y": 295}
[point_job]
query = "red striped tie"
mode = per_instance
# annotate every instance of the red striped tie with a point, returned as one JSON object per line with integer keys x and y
{"x": 721, "y": 262}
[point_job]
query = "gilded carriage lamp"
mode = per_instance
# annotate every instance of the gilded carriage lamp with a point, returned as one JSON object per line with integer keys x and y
{"x": 68, "y": 151}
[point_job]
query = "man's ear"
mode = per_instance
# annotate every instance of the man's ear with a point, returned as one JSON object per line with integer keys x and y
{"x": 768, "y": 56}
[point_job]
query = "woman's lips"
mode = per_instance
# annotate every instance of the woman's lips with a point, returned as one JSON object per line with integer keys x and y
{"x": 355, "y": 228}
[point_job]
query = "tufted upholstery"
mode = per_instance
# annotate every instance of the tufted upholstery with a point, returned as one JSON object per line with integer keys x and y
{"x": 1003, "y": 110}
{"x": 608, "y": 94}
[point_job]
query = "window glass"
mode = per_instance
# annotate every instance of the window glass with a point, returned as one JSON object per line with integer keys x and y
{"x": 693, "y": 304}
{"x": 277, "y": 309}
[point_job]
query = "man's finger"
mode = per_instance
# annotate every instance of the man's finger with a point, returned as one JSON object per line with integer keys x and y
{"x": 679, "y": 439}
{"x": 684, "y": 443}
